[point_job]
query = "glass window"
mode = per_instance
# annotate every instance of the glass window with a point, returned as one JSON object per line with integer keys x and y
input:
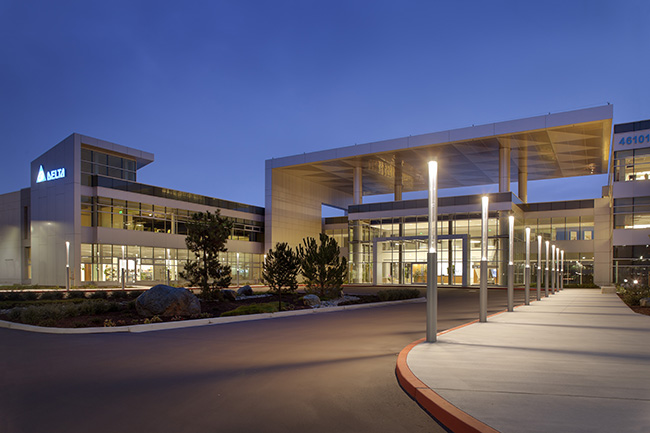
{"x": 100, "y": 158}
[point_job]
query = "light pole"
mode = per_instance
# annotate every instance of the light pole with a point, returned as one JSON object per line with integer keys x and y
{"x": 482, "y": 315}
{"x": 432, "y": 255}
{"x": 546, "y": 271}
{"x": 511, "y": 263}
{"x": 539, "y": 267}
{"x": 552, "y": 269}
{"x": 527, "y": 269}
{"x": 123, "y": 270}
{"x": 237, "y": 269}
{"x": 562, "y": 266}
{"x": 67, "y": 266}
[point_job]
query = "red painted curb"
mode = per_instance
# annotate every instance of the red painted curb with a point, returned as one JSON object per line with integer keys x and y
{"x": 449, "y": 415}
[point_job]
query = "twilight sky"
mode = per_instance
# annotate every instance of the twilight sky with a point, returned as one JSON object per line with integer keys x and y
{"x": 214, "y": 88}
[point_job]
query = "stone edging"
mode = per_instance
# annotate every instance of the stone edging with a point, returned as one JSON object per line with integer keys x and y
{"x": 196, "y": 322}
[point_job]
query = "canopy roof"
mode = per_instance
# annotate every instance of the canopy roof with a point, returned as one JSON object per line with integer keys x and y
{"x": 573, "y": 143}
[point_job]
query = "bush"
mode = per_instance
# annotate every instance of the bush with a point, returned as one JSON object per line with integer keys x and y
{"x": 51, "y": 296}
{"x": 581, "y": 286}
{"x": 397, "y": 294}
{"x": 268, "y": 307}
{"x": 48, "y": 314}
{"x": 76, "y": 294}
{"x": 632, "y": 295}
{"x": 99, "y": 294}
{"x": 119, "y": 295}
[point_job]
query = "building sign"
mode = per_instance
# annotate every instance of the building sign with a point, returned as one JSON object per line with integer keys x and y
{"x": 44, "y": 176}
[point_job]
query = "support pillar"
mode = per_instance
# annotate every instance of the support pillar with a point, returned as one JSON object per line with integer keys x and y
{"x": 357, "y": 232}
{"x": 504, "y": 165}
{"x": 523, "y": 175}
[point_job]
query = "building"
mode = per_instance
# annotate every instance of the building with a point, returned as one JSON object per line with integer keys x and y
{"x": 603, "y": 238}
{"x": 84, "y": 192}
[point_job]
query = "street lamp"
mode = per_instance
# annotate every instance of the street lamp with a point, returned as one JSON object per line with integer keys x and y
{"x": 527, "y": 269}
{"x": 237, "y": 269}
{"x": 482, "y": 315}
{"x": 562, "y": 267}
{"x": 123, "y": 270}
{"x": 67, "y": 266}
{"x": 432, "y": 255}
{"x": 547, "y": 276}
{"x": 511, "y": 263}
{"x": 553, "y": 269}
{"x": 539, "y": 267}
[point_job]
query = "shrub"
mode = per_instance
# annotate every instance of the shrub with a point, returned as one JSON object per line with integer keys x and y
{"x": 119, "y": 295}
{"x": 154, "y": 319}
{"x": 268, "y": 307}
{"x": 51, "y": 296}
{"x": 99, "y": 294}
{"x": 397, "y": 294}
{"x": 108, "y": 323}
{"x": 632, "y": 295}
{"x": 76, "y": 294}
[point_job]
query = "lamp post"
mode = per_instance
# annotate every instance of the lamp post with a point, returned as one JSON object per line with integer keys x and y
{"x": 237, "y": 269}
{"x": 546, "y": 271}
{"x": 123, "y": 270}
{"x": 527, "y": 269}
{"x": 511, "y": 264}
{"x": 539, "y": 267}
{"x": 560, "y": 285}
{"x": 482, "y": 315}
{"x": 552, "y": 269}
{"x": 67, "y": 266}
{"x": 432, "y": 255}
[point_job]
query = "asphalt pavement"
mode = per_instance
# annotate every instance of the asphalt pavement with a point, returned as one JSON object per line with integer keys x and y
{"x": 577, "y": 361}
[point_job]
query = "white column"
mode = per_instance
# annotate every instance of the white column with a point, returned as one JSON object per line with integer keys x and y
{"x": 432, "y": 255}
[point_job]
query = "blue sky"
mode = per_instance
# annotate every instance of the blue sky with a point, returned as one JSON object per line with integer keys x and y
{"x": 214, "y": 88}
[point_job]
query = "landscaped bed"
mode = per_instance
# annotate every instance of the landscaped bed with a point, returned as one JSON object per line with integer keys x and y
{"x": 78, "y": 309}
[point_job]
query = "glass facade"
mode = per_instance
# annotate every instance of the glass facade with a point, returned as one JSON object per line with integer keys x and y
{"x": 632, "y": 213}
{"x": 631, "y": 262}
{"x": 105, "y": 262}
{"x": 105, "y": 164}
{"x": 128, "y": 215}
{"x": 633, "y": 164}
{"x": 402, "y": 249}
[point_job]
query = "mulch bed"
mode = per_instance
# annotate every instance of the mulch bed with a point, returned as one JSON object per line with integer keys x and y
{"x": 129, "y": 316}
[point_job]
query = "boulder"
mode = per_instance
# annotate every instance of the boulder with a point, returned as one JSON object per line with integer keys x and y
{"x": 311, "y": 300}
{"x": 245, "y": 291}
{"x": 644, "y": 302}
{"x": 162, "y": 300}
{"x": 229, "y": 295}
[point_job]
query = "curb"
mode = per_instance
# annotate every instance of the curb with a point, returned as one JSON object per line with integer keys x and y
{"x": 446, "y": 413}
{"x": 197, "y": 322}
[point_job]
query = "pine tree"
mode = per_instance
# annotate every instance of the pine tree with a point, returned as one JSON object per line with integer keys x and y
{"x": 207, "y": 235}
{"x": 280, "y": 270}
{"x": 323, "y": 269}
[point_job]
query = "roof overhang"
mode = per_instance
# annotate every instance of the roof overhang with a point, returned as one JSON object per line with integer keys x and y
{"x": 573, "y": 143}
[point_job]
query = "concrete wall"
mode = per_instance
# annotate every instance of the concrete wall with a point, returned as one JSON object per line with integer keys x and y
{"x": 55, "y": 213}
{"x": 602, "y": 242}
{"x": 293, "y": 207}
{"x": 11, "y": 214}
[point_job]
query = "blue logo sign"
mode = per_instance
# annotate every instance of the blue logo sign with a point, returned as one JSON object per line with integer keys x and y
{"x": 43, "y": 176}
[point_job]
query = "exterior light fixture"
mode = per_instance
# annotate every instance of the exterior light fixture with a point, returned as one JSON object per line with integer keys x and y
{"x": 483, "y": 288}
{"x": 432, "y": 255}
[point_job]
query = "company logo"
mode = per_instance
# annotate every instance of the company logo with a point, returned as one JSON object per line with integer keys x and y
{"x": 44, "y": 176}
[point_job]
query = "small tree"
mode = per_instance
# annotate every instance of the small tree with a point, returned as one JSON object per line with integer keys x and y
{"x": 207, "y": 234}
{"x": 280, "y": 270}
{"x": 322, "y": 267}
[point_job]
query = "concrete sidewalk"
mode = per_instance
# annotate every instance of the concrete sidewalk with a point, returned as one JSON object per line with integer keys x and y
{"x": 578, "y": 361}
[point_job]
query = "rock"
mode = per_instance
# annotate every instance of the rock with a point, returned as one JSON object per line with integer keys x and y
{"x": 245, "y": 291}
{"x": 162, "y": 300}
{"x": 644, "y": 302}
{"x": 229, "y": 295}
{"x": 311, "y": 300}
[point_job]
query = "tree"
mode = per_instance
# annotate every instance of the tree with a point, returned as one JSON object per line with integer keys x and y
{"x": 280, "y": 270}
{"x": 322, "y": 267}
{"x": 207, "y": 234}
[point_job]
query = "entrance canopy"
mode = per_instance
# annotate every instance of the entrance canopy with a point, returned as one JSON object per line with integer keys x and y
{"x": 573, "y": 143}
